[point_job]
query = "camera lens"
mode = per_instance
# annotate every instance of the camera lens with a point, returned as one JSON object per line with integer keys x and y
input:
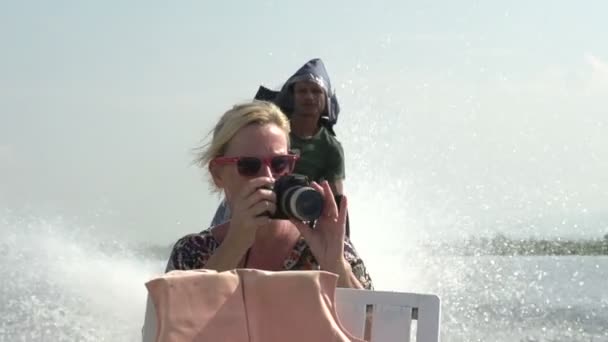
{"x": 303, "y": 203}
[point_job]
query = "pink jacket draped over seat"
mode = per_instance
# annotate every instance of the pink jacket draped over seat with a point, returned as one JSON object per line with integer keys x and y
{"x": 246, "y": 305}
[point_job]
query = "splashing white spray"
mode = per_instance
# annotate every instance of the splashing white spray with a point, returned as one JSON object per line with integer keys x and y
{"x": 61, "y": 284}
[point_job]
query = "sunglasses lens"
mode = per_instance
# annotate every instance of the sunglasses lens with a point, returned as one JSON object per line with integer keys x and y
{"x": 280, "y": 164}
{"x": 248, "y": 166}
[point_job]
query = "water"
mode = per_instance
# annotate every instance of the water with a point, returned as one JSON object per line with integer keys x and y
{"x": 521, "y": 298}
{"x": 59, "y": 283}
{"x": 64, "y": 283}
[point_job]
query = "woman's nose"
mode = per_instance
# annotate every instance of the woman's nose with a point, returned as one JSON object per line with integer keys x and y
{"x": 266, "y": 171}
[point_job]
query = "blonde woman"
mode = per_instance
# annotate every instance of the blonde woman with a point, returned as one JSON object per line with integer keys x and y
{"x": 248, "y": 151}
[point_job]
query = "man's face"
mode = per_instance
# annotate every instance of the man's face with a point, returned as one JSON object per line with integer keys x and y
{"x": 309, "y": 98}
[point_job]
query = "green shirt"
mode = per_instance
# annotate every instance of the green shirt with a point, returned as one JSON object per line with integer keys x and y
{"x": 321, "y": 156}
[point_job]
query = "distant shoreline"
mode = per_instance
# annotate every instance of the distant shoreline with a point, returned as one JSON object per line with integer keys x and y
{"x": 504, "y": 246}
{"x": 499, "y": 245}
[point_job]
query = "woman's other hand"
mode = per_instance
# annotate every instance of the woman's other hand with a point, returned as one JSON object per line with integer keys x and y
{"x": 326, "y": 239}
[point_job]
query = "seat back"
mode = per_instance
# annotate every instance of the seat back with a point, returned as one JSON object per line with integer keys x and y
{"x": 390, "y": 315}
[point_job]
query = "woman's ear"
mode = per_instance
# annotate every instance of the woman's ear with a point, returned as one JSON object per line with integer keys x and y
{"x": 216, "y": 175}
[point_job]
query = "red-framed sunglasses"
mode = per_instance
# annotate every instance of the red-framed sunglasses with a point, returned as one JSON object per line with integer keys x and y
{"x": 250, "y": 166}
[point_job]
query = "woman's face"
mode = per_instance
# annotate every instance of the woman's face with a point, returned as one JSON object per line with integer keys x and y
{"x": 261, "y": 141}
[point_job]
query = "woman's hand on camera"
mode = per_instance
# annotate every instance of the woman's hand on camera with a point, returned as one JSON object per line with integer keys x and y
{"x": 326, "y": 240}
{"x": 250, "y": 209}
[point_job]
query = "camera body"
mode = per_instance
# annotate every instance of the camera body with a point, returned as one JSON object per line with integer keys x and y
{"x": 297, "y": 199}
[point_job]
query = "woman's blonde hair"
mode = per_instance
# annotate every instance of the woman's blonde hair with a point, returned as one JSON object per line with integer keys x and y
{"x": 241, "y": 115}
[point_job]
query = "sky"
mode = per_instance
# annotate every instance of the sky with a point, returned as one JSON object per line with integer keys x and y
{"x": 458, "y": 118}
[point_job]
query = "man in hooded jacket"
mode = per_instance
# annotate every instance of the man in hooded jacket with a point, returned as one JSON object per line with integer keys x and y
{"x": 311, "y": 105}
{"x": 308, "y": 100}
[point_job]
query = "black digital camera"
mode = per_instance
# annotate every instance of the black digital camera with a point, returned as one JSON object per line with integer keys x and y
{"x": 297, "y": 199}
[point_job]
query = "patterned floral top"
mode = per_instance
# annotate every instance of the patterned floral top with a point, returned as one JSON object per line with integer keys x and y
{"x": 192, "y": 252}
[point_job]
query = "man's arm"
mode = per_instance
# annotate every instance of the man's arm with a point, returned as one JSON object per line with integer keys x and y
{"x": 337, "y": 187}
{"x": 335, "y": 172}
